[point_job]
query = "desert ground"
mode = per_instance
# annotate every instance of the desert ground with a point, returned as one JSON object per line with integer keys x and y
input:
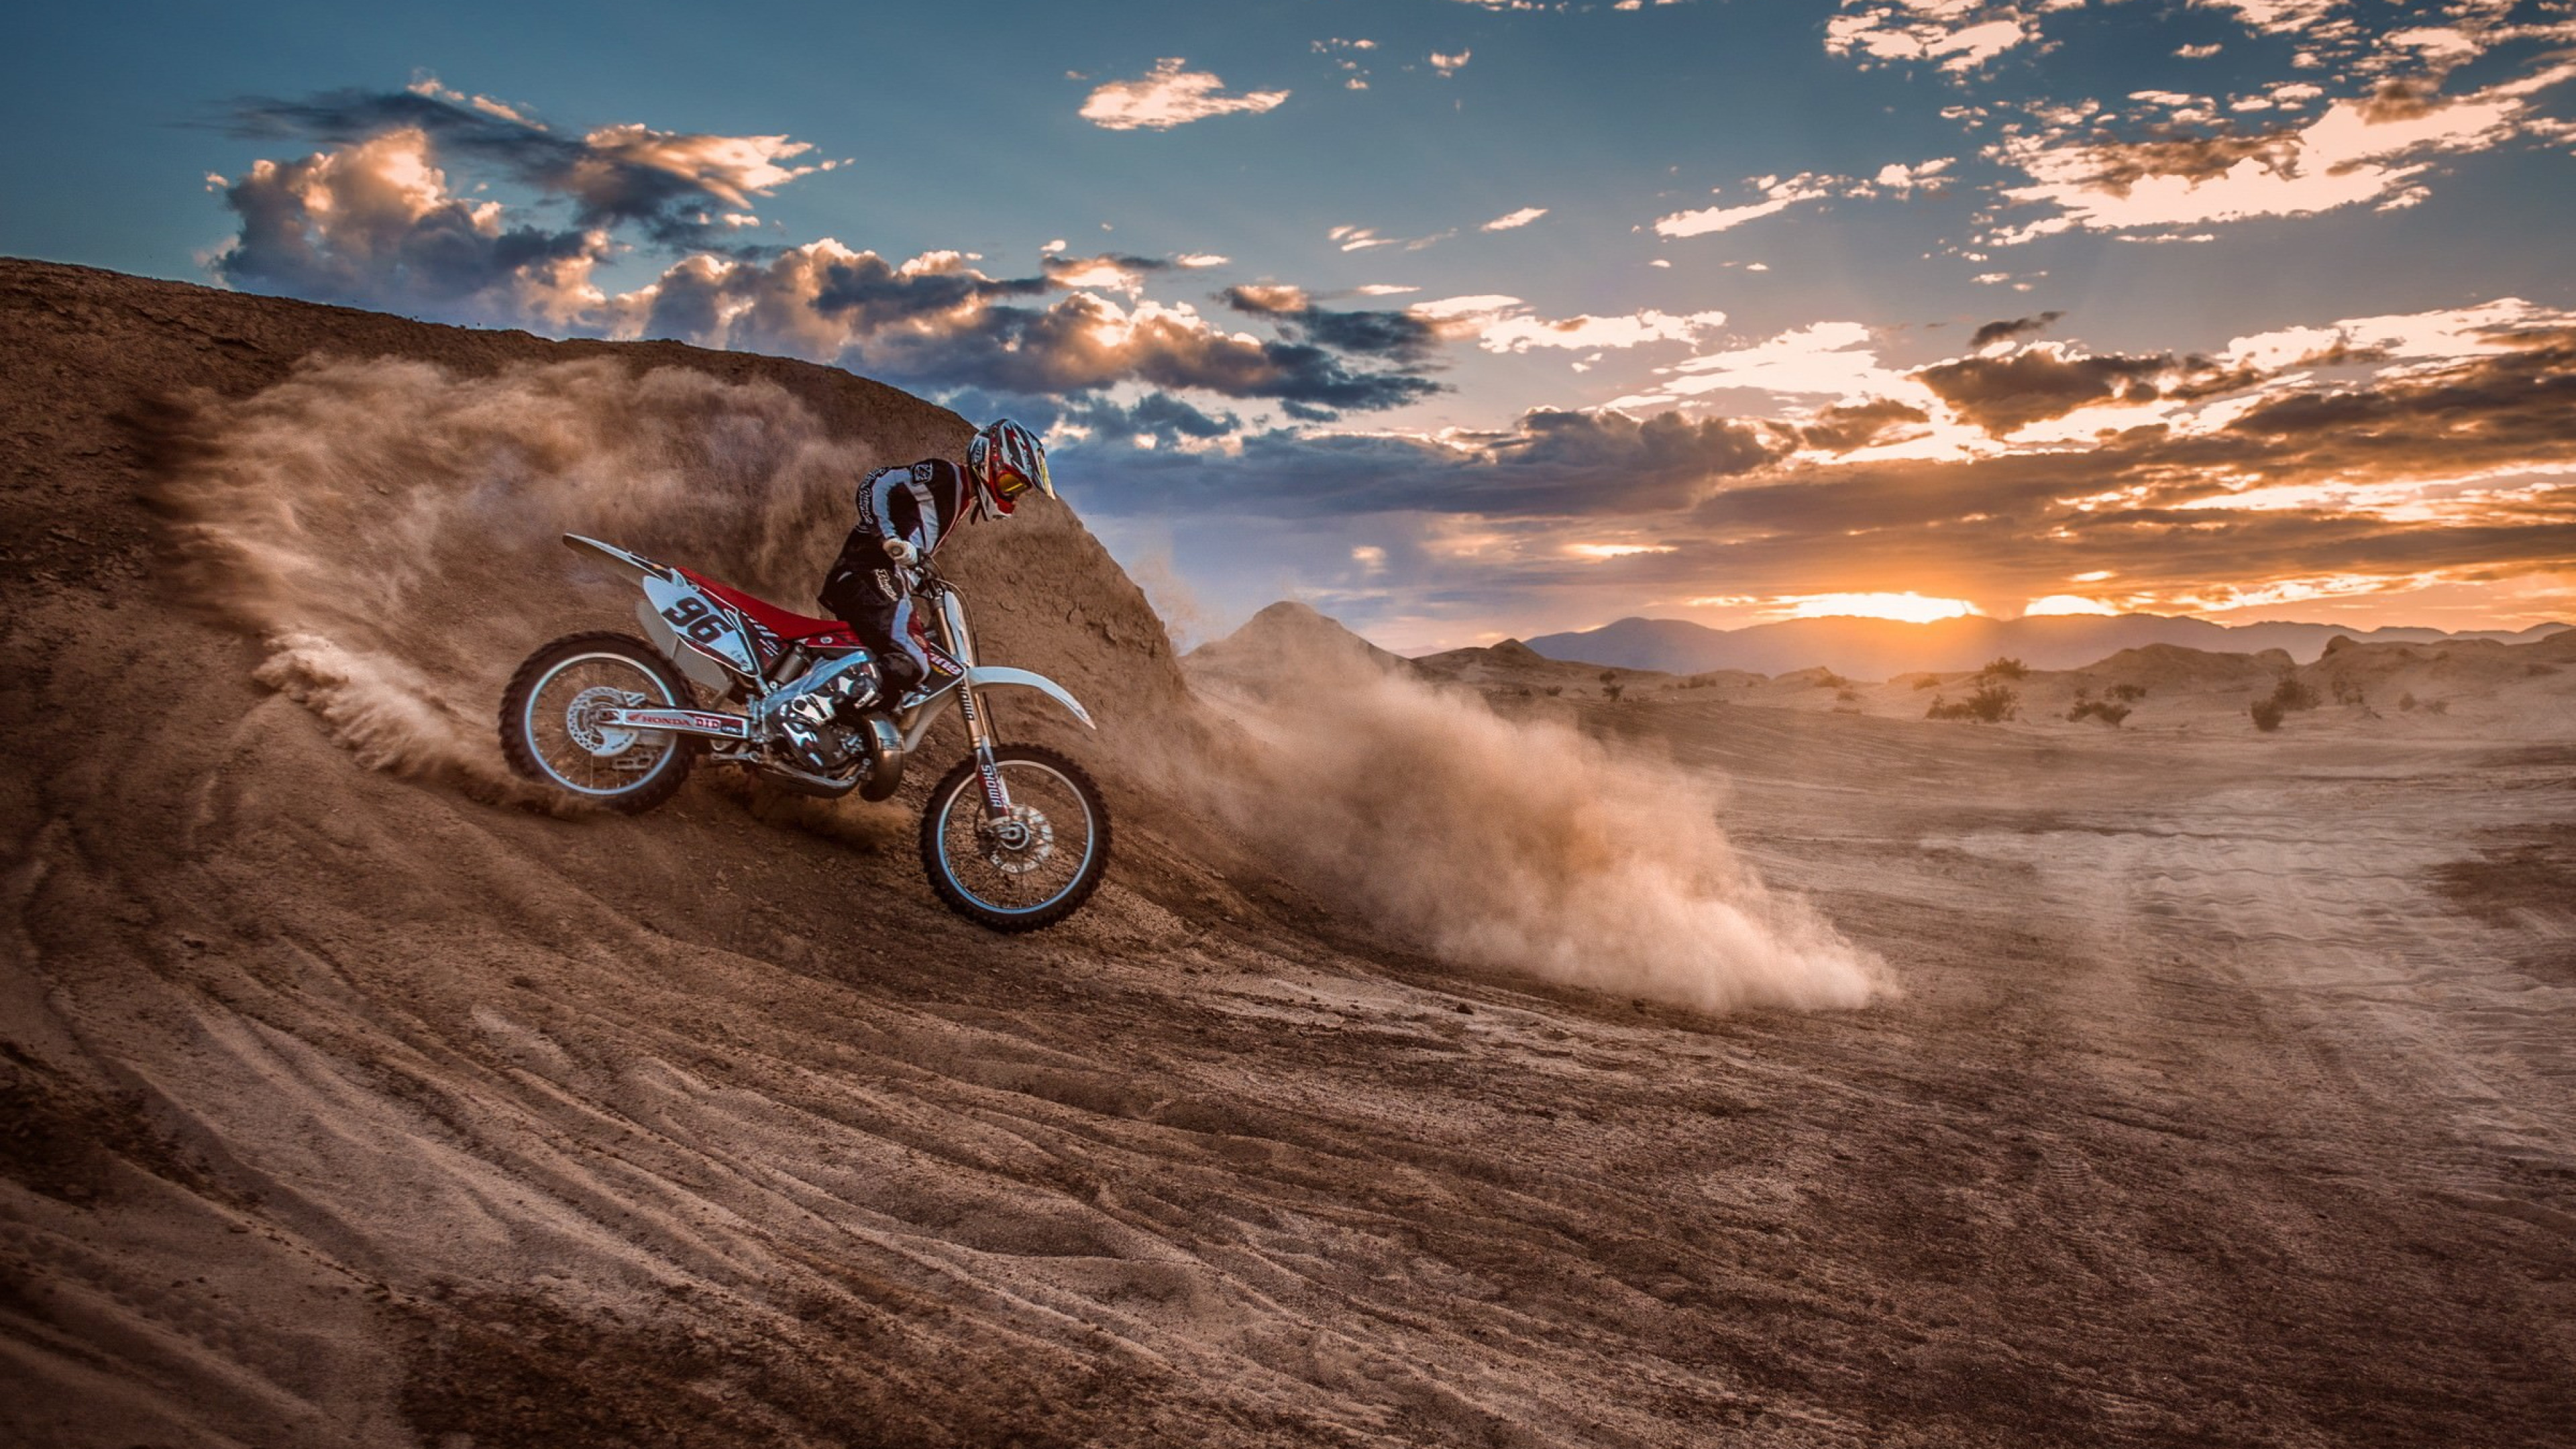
{"x": 2166, "y": 1083}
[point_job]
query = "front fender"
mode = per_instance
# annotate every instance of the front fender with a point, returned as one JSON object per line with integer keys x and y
{"x": 985, "y": 677}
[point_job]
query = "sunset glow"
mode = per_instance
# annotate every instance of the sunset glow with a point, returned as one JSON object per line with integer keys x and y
{"x": 1911, "y": 608}
{"x": 1614, "y": 550}
{"x": 2066, "y": 604}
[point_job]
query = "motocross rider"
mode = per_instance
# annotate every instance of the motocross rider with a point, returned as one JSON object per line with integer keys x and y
{"x": 905, "y": 514}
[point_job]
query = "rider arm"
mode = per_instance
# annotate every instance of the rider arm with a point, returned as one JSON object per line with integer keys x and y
{"x": 877, "y": 499}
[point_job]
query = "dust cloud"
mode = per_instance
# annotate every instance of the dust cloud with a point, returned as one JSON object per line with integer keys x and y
{"x": 1514, "y": 844}
{"x": 390, "y": 530}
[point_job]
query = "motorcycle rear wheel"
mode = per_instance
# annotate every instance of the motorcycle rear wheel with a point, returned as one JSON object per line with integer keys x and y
{"x": 1032, "y": 871}
{"x": 546, "y": 735}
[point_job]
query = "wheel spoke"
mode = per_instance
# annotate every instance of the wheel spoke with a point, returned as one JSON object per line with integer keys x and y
{"x": 572, "y": 747}
{"x": 1036, "y": 857}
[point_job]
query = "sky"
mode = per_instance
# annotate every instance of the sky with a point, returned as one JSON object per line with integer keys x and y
{"x": 1466, "y": 319}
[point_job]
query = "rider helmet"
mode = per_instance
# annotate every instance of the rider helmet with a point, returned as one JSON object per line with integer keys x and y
{"x": 1004, "y": 461}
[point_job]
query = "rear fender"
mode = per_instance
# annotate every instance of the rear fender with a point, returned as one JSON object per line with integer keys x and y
{"x": 633, "y": 565}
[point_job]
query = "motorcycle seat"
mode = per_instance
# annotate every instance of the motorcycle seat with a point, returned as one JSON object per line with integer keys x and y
{"x": 790, "y": 626}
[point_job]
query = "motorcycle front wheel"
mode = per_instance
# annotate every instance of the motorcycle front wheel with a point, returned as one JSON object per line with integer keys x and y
{"x": 1032, "y": 869}
{"x": 551, "y": 734}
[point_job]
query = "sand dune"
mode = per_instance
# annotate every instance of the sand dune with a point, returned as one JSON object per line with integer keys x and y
{"x": 2223, "y": 1095}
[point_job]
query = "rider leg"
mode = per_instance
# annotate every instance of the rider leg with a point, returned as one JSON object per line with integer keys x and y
{"x": 881, "y": 610}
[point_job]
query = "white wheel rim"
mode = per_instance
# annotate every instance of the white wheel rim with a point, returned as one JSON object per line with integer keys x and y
{"x": 602, "y": 774}
{"x": 1046, "y": 843}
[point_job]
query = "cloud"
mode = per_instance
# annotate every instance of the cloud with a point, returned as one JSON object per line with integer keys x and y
{"x": 1778, "y": 195}
{"x": 1169, "y": 96}
{"x": 728, "y": 168}
{"x": 1168, "y": 420}
{"x": 673, "y": 184}
{"x": 1361, "y": 238}
{"x": 2007, "y": 329}
{"x": 935, "y": 321}
{"x": 2375, "y": 150}
{"x": 1830, "y": 359}
{"x": 1548, "y": 463}
{"x": 1449, "y": 65}
{"x": 1520, "y": 218}
{"x": 1108, "y": 272}
{"x": 1346, "y": 58}
{"x": 375, "y": 225}
{"x": 1957, "y": 35}
{"x": 1506, "y": 324}
{"x": 2456, "y": 334}
{"x": 1402, "y": 336}
{"x": 2278, "y": 17}
{"x": 375, "y": 221}
{"x": 1845, "y": 427}
{"x": 1905, "y": 180}
{"x": 2003, "y": 394}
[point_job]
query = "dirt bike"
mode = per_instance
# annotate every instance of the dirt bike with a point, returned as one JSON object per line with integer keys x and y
{"x": 1014, "y": 837}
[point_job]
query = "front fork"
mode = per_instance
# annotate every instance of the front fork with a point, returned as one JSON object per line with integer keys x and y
{"x": 979, "y": 729}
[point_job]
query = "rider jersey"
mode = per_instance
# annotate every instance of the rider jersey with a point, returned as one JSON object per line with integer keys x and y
{"x": 919, "y": 504}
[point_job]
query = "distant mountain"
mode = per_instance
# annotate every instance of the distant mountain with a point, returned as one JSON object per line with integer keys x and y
{"x": 1293, "y": 637}
{"x": 1880, "y": 648}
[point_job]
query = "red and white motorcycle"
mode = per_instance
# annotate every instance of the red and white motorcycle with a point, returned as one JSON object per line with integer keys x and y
{"x": 1015, "y": 837}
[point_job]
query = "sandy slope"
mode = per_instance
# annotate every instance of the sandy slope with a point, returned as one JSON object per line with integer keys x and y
{"x": 2227, "y": 1101}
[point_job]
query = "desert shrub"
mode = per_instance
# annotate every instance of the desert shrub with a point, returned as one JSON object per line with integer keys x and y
{"x": 1926, "y": 681}
{"x": 2126, "y": 693}
{"x": 2534, "y": 671}
{"x": 1847, "y": 695}
{"x": 1554, "y": 690}
{"x": 2406, "y": 700}
{"x": 1990, "y": 704}
{"x": 2347, "y": 692}
{"x": 2293, "y": 696}
{"x": 1827, "y": 679}
{"x": 2437, "y": 706}
{"x": 1611, "y": 692}
{"x": 2267, "y": 714}
{"x": 2006, "y": 669}
{"x": 2102, "y": 709}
